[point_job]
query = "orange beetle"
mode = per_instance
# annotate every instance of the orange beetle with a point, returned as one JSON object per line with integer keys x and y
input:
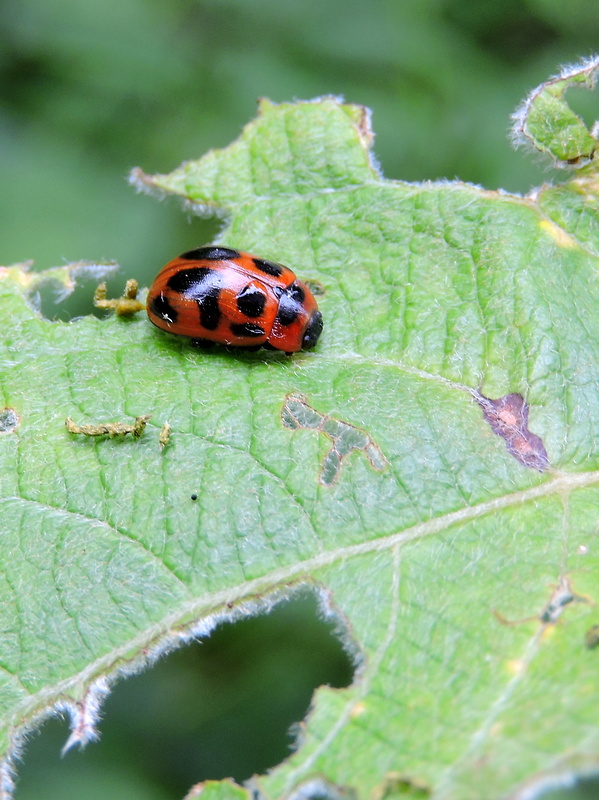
{"x": 216, "y": 294}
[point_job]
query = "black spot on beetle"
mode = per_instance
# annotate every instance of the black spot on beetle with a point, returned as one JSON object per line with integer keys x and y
{"x": 290, "y": 304}
{"x": 296, "y": 292}
{"x": 197, "y": 282}
{"x": 209, "y": 311}
{"x": 193, "y": 282}
{"x": 268, "y": 267}
{"x": 313, "y": 331}
{"x": 246, "y": 329}
{"x": 203, "y": 285}
{"x": 161, "y": 308}
{"x": 251, "y": 301}
{"x": 288, "y": 311}
{"x": 210, "y": 253}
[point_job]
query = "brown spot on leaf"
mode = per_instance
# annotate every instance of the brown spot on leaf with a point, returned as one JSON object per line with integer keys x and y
{"x": 583, "y": 156}
{"x": 400, "y": 785}
{"x": 508, "y": 418}
{"x": 315, "y": 287}
{"x": 591, "y": 638}
{"x": 561, "y": 597}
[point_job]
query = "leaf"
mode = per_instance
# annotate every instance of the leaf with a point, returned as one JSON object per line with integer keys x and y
{"x": 430, "y": 470}
{"x": 547, "y": 122}
{"x": 216, "y": 790}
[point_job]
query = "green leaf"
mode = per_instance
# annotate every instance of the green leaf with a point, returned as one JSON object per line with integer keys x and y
{"x": 430, "y": 470}
{"x": 217, "y": 790}
{"x": 547, "y": 122}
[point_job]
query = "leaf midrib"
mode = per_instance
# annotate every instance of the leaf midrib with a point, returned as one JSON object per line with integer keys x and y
{"x": 204, "y": 607}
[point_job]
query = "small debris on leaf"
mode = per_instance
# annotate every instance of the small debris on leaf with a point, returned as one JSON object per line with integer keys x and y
{"x": 110, "y": 429}
{"x": 164, "y": 437}
{"x": 562, "y": 596}
{"x": 124, "y": 306}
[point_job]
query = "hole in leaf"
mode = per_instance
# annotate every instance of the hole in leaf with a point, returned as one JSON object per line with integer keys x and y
{"x": 583, "y": 103}
{"x": 55, "y": 304}
{"x": 320, "y": 789}
{"x": 9, "y": 420}
{"x": 220, "y": 707}
{"x": 583, "y": 788}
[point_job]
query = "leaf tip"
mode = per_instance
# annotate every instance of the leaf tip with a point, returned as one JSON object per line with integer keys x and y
{"x": 545, "y": 123}
{"x": 225, "y": 789}
{"x": 85, "y": 715}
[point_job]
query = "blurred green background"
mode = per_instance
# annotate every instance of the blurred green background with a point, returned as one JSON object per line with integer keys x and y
{"x": 88, "y": 90}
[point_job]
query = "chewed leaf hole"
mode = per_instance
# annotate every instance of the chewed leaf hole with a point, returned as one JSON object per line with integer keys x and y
{"x": 566, "y": 787}
{"x": 9, "y": 420}
{"x": 345, "y": 438}
{"x": 221, "y": 707}
{"x": 56, "y": 306}
{"x": 583, "y": 104}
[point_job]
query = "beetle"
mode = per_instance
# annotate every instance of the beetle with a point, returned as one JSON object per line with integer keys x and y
{"x": 217, "y": 294}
